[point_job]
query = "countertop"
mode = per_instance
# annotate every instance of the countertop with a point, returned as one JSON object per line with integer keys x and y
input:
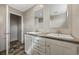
{"x": 44, "y": 35}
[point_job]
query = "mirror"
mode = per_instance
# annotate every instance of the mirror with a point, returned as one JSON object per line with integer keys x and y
{"x": 38, "y": 17}
{"x": 58, "y": 15}
{"x": 39, "y": 14}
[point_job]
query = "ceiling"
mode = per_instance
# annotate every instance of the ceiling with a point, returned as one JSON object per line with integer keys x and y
{"x": 21, "y": 7}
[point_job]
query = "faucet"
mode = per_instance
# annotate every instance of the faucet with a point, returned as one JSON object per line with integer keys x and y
{"x": 59, "y": 32}
{"x": 36, "y": 30}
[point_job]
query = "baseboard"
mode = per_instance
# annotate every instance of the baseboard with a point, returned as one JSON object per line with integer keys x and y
{"x": 2, "y": 51}
{"x": 13, "y": 41}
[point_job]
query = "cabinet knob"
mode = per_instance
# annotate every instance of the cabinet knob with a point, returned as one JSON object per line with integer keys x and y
{"x": 38, "y": 46}
{"x": 37, "y": 40}
{"x": 48, "y": 45}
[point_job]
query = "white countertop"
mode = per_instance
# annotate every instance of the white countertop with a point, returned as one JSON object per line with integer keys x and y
{"x": 64, "y": 37}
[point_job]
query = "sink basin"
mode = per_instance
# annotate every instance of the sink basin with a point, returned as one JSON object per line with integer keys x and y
{"x": 38, "y": 33}
{"x": 65, "y": 36}
{"x": 57, "y": 35}
{"x": 62, "y": 36}
{"x": 33, "y": 32}
{"x": 53, "y": 35}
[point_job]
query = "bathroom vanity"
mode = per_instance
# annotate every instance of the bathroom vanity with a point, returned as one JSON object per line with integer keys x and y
{"x": 60, "y": 32}
{"x": 45, "y": 44}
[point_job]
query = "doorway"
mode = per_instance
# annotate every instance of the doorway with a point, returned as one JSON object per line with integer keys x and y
{"x": 15, "y": 44}
{"x": 15, "y": 28}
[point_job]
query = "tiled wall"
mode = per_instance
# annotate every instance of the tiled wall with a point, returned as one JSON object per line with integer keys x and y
{"x": 29, "y": 24}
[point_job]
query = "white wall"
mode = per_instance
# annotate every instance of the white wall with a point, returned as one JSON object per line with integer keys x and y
{"x": 75, "y": 20}
{"x": 28, "y": 17}
{"x": 2, "y": 27}
{"x": 3, "y": 24}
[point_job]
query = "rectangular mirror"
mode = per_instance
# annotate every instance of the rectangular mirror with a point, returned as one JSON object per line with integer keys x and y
{"x": 39, "y": 14}
{"x": 58, "y": 15}
{"x": 38, "y": 17}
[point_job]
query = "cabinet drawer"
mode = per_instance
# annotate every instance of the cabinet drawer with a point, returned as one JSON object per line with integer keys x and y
{"x": 40, "y": 42}
{"x": 39, "y": 45}
{"x": 39, "y": 48}
{"x": 37, "y": 52}
{"x": 61, "y": 43}
{"x": 39, "y": 39}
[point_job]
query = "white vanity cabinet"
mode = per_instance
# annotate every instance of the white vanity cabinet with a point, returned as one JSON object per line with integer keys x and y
{"x": 34, "y": 45}
{"x": 28, "y": 44}
{"x": 54, "y": 47}
{"x": 38, "y": 46}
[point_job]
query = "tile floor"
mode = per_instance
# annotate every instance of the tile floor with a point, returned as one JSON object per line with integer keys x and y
{"x": 16, "y": 48}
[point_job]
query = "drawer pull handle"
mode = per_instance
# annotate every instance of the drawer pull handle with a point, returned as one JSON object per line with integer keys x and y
{"x": 38, "y": 46}
{"x": 48, "y": 45}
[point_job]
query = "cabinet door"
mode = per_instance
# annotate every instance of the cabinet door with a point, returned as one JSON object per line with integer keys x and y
{"x": 62, "y": 50}
{"x": 70, "y": 51}
{"x": 55, "y": 47}
{"x": 56, "y": 50}
{"x": 28, "y": 43}
{"x": 52, "y": 48}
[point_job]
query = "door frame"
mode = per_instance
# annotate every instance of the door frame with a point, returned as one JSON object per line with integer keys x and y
{"x": 21, "y": 23}
{"x": 8, "y": 27}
